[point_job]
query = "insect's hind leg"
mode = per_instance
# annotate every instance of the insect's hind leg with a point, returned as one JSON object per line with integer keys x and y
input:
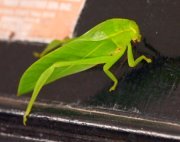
{"x": 49, "y": 71}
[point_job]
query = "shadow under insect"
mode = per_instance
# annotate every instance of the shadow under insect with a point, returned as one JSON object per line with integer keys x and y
{"x": 144, "y": 89}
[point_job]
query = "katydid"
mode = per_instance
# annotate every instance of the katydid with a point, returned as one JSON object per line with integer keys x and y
{"x": 103, "y": 44}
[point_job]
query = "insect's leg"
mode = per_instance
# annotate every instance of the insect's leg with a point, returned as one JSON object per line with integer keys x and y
{"x": 48, "y": 72}
{"x": 131, "y": 61}
{"x": 39, "y": 84}
{"x": 51, "y": 46}
{"x": 108, "y": 65}
{"x": 110, "y": 75}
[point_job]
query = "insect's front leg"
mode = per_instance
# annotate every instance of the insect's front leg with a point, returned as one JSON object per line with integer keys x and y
{"x": 131, "y": 61}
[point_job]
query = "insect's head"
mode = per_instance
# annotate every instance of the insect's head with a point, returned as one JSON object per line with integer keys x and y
{"x": 135, "y": 34}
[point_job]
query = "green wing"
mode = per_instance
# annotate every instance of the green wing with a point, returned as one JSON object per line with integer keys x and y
{"x": 72, "y": 51}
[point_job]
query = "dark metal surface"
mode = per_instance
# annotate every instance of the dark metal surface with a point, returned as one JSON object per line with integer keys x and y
{"x": 145, "y": 107}
{"x": 51, "y": 129}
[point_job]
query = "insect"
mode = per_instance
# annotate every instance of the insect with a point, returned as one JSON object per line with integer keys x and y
{"x": 103, "y": 44}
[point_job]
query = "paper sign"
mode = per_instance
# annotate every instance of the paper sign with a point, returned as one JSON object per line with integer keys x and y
{"x": 38, "y": 20}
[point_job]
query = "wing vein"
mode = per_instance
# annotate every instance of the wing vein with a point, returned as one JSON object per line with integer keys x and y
{"x": 84, "y": 56}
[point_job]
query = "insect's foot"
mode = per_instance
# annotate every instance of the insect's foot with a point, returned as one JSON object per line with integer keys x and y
{"x": 148, "y": 60}
{"x": 112, "y": 88}
{"x": 24, "y": 120}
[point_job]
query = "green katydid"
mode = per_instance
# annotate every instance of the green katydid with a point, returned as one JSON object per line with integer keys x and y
{"x": 103, "y": 44}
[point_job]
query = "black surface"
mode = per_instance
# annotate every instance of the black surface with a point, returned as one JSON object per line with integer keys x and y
{"x": 39, "y": 130}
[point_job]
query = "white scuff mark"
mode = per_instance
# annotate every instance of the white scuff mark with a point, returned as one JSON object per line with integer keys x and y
{"x": 103, "y": 126}
{"x": 26, "y": 138}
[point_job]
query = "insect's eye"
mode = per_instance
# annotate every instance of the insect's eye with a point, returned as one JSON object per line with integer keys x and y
{"x": 135, "y": 41}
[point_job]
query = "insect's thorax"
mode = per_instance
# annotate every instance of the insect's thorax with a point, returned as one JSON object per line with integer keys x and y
{"x": 122, "y": 39}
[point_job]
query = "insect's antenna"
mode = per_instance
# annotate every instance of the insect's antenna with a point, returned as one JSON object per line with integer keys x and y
{"x": 150, "y": 47}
